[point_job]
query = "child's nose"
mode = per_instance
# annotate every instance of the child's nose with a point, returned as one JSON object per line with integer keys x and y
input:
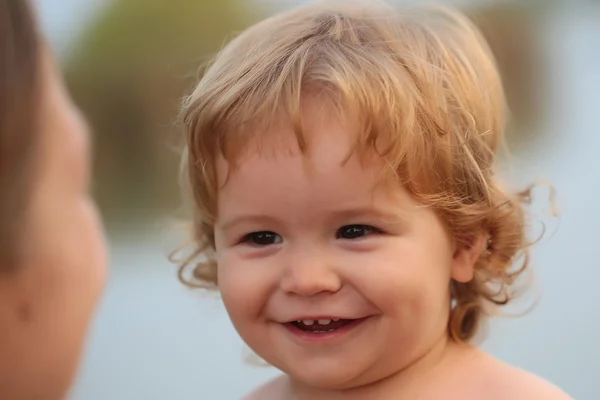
{"x": 309, "y": 274}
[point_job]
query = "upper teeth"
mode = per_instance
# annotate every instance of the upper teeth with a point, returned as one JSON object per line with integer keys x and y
{"x": 320, "y": 321}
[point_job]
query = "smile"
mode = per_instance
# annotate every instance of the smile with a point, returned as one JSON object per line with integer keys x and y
{"x": 322, "y": 329}
{"x": 321, "y": 325}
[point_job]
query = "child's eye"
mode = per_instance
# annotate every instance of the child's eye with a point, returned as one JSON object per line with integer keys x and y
{"x": 350, "y": 232}
{"x": 264, "y": 238}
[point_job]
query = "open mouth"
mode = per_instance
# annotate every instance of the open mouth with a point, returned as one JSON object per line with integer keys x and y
{"x": 321, "y": 325}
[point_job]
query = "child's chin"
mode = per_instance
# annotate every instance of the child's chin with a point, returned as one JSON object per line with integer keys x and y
{"x": 325, "y": 377}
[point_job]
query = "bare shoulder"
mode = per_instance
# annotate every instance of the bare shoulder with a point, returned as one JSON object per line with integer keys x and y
{"x": 499, "y": 380}
{"x": 271, "y": 390}
{"x": 529, "y": 386}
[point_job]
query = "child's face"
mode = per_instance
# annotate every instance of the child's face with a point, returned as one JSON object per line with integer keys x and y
{"x": 307, "y": 237}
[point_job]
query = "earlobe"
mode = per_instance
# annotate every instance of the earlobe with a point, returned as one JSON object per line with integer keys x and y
{"x": 466, "y": 256}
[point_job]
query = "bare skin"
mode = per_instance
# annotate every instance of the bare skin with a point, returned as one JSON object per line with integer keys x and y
{"x": 480, "y": 376}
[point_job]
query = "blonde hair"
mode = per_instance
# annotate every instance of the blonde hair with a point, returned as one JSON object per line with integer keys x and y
{"x": 423, "y": 82}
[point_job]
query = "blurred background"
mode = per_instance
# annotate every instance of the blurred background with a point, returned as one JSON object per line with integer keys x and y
{"x": 129, "y": 62}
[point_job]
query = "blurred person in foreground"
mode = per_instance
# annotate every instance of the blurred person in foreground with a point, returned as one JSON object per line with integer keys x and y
{"x": 341, "y": 159}
{"x": 53, "y": 255}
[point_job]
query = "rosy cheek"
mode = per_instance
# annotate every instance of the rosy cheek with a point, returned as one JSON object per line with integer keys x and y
{"x": 241, "y": 277}
{"x": 236, "y": 293}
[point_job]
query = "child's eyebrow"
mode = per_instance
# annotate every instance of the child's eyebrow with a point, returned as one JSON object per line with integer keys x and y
{"x": 247, "y": 219}
{"x": 334, "y": 216}
{"x": 379, "y": 214}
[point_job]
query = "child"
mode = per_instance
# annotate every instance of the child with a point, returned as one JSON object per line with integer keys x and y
{"x": 341, "y": 161}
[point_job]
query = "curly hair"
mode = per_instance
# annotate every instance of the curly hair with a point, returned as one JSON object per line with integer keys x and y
{"x": 422, "y": 81}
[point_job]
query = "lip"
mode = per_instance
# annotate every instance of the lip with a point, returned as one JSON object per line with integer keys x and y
{"x": 338, "y": 334}
{"x": 316, "y": 318}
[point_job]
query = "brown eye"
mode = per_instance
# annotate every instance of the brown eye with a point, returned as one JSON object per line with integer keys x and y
{"x": 264, "y": 238}
{"x": 350, "y": 232}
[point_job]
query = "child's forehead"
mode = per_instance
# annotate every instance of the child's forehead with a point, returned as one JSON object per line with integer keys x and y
{"x": 324, "y": 177}
{"x": 327, "y": 140}
{"x": 330, "y": 162}
{"x": 319, "y": 128}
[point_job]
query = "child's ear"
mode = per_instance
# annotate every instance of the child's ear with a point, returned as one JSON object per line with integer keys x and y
{"x": 465, "y": 257}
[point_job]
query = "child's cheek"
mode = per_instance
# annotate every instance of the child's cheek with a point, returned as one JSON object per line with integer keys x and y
{"x": 245, "y": 283}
